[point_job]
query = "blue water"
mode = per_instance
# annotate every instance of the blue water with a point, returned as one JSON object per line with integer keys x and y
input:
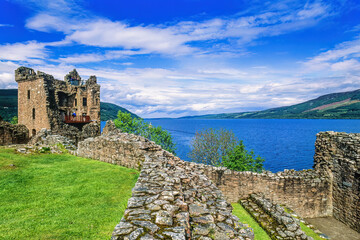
{"x": 284, "y": 143}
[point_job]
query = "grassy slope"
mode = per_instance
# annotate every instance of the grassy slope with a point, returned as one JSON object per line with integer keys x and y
{"x": 351, "y": 110}
{"x": 52, "y": 196}
{"x": 245, "y": 217}
{"x": 8, "y": 106}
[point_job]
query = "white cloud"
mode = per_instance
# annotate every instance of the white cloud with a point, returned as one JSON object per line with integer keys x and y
{"x": 7, "y": 79}
{"x": 178, "y": 38}
{"x": 343, "y": 57}
{"x": 30, "y": 51}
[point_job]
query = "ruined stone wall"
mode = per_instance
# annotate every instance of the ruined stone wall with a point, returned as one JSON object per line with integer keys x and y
{"x": 43, "y": 102}
{"x": 331, "y": 188}
{"x": 172, "y": 199}
{"x": 338, "y": 155}
{"x": 305, "y": 192}
{"x": 12, "y": 134}
{"x": 32, "y": 108}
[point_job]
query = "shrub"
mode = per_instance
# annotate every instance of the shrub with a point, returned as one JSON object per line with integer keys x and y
{"x": 221, "y": 148}
{"x": 126, "y": 123}
{"x": 239, "y": 159}
{"x": 14, "y": 120}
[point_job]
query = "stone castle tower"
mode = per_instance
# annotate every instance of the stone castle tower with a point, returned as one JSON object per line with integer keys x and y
{"x": 64, "y": 107}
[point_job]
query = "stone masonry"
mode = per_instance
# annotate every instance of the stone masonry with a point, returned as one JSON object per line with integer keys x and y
{"x": 63, "y": 107}
{"x": 12, "y": 134}
{"x": 337, "y": 155}
{"x": 306, "y": 192}
{"x": 273, "y": 218}
{"x": 172, "y": 199}
{"x": 332, "y": 188}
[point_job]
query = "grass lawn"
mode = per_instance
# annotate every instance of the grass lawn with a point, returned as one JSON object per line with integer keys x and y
{"x": 245, "y": 217}
{"x": 50, "y": 196}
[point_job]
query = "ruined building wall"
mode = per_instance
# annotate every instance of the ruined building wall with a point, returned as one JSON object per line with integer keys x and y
{"x": 307, "y": 193}
{"x": 12, "y": 134}
{"x": 332, "y": 188}
{"x": 43, "y": 102}
{"x": 32, "y": 109}
{"x": 171, "y": 199}
{"x": 338, "y": 156}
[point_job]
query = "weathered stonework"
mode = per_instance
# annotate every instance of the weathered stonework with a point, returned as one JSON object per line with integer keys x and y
{"x": 172, "y": 199}
{"x": 12, "y": 134}
{"x": 273, "y": 218}
{"x": 332, "y": 188}
{"x": 337, "y": 155}
{"x": 44, "y": 102}
{"x": 306, "y": 192}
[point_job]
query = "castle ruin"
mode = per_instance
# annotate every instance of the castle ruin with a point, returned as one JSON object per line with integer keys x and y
{"x": 70, "y": 108}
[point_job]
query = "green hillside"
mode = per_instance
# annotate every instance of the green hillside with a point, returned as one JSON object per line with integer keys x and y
{"x": 109, "y": 111}
{"x": 8, "y": 106}
{"x": 344, "y": 105}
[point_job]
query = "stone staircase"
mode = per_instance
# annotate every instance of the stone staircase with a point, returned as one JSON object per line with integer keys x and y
{"x": 273, "y": 218}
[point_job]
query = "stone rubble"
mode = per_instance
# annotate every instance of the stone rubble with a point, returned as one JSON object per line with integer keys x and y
{"x": 171, "y": 200}
{"x": 45, "y": 141}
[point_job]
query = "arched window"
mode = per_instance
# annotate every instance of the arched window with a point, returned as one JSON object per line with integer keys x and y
{"x": 33, "y": 113}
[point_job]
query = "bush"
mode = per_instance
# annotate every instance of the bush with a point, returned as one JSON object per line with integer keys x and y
{"x": 239, "y": 159}
{"x": 221, "y": 148}
{"x": 126, "y": 123}
{"x": 14, "y": 120}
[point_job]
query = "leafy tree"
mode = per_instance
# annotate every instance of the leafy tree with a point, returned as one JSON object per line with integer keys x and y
{"x": 211, "y": 146}
{"x": 221, "y": 148}
{"x": 14, "y": 120}
{"x": 239, "y": 159}
{"x": 126, "y": 123}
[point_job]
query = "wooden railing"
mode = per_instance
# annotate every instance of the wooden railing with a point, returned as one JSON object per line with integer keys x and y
{"x": 77, "y": 119}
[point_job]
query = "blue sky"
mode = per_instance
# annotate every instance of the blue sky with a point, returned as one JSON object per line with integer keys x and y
{"x": 171, "y": 58}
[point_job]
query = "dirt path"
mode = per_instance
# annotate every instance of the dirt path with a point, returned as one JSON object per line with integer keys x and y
{"x": 334, "y": 229}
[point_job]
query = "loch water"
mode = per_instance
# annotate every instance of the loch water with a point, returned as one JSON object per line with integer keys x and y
{"x": 283, "y": 143}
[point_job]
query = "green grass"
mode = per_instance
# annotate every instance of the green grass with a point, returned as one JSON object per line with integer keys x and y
{"x": 308, "y": 231}
{"x": 245, "y": 217}
{"x": 48, "y": 196}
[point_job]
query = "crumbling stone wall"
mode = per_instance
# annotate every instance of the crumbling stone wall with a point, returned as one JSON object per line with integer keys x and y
{"x": 12, "y": 134}
{"x": 332, "y": 187}
{"x": 338, "y": 156}
{"x": 306, "y": 192}
{"x": 45, "y": 102}
{"x": 172, "y": 199}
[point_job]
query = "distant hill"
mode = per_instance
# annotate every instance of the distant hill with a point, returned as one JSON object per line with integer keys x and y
{"x": 109, "y": 111}
{"x": 343, "y": 105}
{"x": 8, "y": 106}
